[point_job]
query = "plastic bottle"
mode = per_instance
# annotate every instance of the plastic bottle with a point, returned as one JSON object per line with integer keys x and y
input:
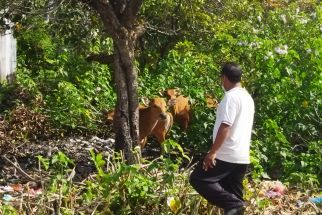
{"x": 316, "y": 200}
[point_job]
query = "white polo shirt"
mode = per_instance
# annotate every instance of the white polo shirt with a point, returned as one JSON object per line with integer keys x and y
{"x": 237, "y": 110}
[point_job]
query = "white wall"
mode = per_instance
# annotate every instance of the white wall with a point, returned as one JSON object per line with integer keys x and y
{"x": 8, "y": 55}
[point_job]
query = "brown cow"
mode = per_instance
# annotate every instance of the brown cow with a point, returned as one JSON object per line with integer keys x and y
{"x": 153, "y": 120}
{"x": 180, "y": 108}
{"x": 162, "y": 128}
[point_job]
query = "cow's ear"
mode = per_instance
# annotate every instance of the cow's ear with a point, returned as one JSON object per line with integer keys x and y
{"x": 178, "y": 91}
{"x": 162, "y": 92}
{"x": 145, "y": 101}
{"x": 170, "y": 92}
{"x": 167, "y": 93}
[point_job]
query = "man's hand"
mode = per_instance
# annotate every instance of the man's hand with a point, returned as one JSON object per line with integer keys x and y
{"x": 222, "y": 134}
{"x": 209, "y": 161}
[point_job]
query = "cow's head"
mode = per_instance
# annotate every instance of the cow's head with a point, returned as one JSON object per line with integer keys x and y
{"x": 172, "y": 93}
{"x": 159, "y": 107}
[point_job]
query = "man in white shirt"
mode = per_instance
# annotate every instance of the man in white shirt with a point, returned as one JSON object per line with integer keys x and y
{"x": 219, "y": 176}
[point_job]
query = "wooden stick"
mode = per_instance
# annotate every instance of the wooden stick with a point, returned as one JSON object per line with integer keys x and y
{"x": 19, "y": 169}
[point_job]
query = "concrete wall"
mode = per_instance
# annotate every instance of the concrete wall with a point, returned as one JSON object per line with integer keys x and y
{"x": 8, "y": 56}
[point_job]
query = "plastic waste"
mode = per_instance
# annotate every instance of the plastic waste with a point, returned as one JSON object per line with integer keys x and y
{"x": 4, "y": 189}
{"x": 16, "y": 187}
{"x": 174, "y": 204}
{"x": 316, "y": 200}
{"x": 299, "y": 203}
{"x": 7, "y": 197}
{"x": 34, "y": 192}
{"x": 277, "y": 190}
{"x": 272, "y": 194}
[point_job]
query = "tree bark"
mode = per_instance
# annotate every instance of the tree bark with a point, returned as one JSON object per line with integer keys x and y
{"x": 118, "y": 17}
{"x": 126, "y": 122}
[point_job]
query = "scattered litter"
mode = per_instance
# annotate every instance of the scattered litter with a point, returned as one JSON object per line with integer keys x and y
{"x": 16, "y": 187}
{"x": 174, "y": 204}
{"x": 12, "y": 191}
{"x": 277, "y": 189}
{"x": 299, "y": 203}
{"x": 11, "y": 188}
{"x": 272, "y": 194}
{"x": 34, "y": 192}
{"x": 316, "y": 200}
{"x": 6, "y": 189}
{"x": 7, "y": 197}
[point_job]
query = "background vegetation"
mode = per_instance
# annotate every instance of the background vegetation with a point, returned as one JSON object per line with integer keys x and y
{"x": 278, "y": 44}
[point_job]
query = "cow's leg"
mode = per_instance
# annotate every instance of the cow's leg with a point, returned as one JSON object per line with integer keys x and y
{"x": 160, "y": 139}
{"x": 185, "y": 121}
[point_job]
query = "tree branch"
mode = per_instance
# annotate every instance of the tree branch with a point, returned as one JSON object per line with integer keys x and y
{"x": 107, "y": 13}
{"x": 131, "y": 11}
{"x": 33, "y": 10}
{"x": 119, "y": 6}
{"x": 139, "y": 30}
{"x": 161, "y": 31}
{"x": 18, "y": 168}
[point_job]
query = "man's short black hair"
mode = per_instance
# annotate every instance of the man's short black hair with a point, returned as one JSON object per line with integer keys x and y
{"x": 232, "y": 71}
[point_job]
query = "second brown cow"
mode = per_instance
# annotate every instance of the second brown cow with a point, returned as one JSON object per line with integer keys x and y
{"x": 180, "y": 108}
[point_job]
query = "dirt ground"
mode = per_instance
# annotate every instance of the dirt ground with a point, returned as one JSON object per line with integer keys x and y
{"x": 76, "y": 148}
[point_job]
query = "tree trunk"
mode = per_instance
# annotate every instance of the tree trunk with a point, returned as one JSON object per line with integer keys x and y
{"x": 119, "y": 19}
{"x": 126, "y": 135}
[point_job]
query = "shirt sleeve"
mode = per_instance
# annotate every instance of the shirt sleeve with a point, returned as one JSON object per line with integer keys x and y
{"x": 229, "y": 110}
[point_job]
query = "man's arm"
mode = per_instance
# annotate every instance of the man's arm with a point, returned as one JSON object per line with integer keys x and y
{"x": 222, "y": 134}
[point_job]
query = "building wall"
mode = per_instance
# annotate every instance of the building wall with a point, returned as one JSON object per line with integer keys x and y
{"x": 8, "y": 56}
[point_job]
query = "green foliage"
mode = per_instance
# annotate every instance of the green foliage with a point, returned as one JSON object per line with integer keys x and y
{"x": 132, "y": 188}
{"x": 8, "y": 209}
{"x": 171, "y": 146}
{"x": 306, "y": 166}
{"x": 186, "y": 68}
{"x": 258, "y": 159}
{"x": 152, "y": 187}
{"x": 279, "y": 47}
{"x": 72, "y": 91}
{"x": 60, "y": 167}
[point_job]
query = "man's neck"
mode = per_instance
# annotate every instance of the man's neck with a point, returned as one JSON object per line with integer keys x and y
{"x": 234, "y": 85}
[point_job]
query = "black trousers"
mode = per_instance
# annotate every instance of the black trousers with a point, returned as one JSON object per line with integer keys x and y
{"x": 221, "y": 185}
